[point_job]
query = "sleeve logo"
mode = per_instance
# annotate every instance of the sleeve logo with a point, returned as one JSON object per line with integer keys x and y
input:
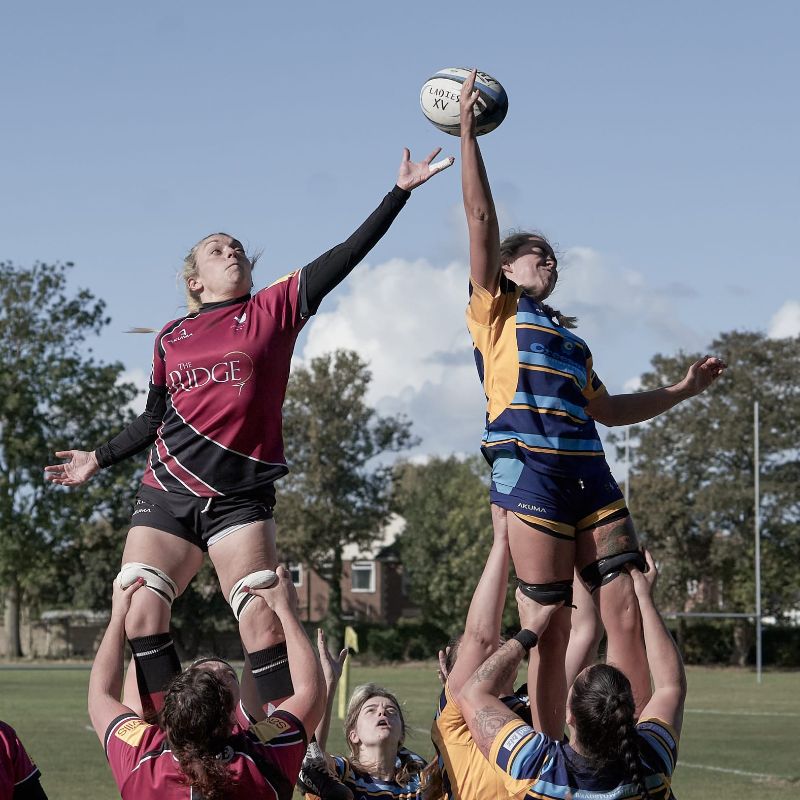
{"x": 270, "y": 728}
{"x": 513, "y": 739}
{"x": 132, "y": 731}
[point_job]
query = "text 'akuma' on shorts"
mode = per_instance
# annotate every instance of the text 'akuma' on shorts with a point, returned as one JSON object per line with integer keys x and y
{"x": 203, "y": 521}
{"x": 558, "y": 506}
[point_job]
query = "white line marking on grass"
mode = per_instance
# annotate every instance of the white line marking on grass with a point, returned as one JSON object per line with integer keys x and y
{"x": 742, "y": 713}
{"x": 742, "y": 772}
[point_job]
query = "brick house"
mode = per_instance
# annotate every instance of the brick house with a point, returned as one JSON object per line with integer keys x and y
{"x": 373, "y": 584}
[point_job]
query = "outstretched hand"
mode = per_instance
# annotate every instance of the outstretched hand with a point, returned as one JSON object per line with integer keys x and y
{"x": 702, "y": 374}
{"x": 413, "y": 173}
{"x": 331, "y": 667}
{"x": 77, "y": 469}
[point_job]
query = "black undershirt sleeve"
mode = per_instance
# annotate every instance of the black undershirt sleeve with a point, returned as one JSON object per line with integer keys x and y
{"x": 141, "y": 433}
{"x": 323, "y": 274}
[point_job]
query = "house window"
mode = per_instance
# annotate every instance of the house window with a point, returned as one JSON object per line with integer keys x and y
{"x": 296, "y": 571}
{"x": 362, "y": 576}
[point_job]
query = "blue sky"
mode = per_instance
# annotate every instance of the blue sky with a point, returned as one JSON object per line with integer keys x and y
{"x": 656, "y": 144}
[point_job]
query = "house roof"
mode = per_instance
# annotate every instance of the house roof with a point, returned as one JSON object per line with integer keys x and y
{"x": 381, "y": 547}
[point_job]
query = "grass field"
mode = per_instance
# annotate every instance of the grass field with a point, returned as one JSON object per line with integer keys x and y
{"x": 739, "y": 739}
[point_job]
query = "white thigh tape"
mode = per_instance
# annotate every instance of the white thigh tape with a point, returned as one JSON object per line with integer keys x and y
{"x": 155, "y": 580}
{"x": 239, "y": 599}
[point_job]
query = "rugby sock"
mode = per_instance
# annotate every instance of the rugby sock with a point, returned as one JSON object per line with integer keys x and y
{"x": 271, "y": 671}
{"x": 157, "y": 663}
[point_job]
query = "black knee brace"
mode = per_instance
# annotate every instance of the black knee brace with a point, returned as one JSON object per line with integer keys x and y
{"x": 548, "y": 594}
{"x": 604, "y": 570}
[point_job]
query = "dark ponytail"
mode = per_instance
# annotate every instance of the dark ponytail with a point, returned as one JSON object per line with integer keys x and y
{"x": 603, "y": 707}
{"x": 196, "y": 719}
{"x": 508, "y": 249}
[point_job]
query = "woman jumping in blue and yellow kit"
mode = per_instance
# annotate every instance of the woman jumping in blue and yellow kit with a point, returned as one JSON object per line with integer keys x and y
{"x": 549, "y": 472}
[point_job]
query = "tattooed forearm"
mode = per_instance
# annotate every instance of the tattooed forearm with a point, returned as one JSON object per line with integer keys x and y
{"x": 487, "y": 722}
{"x": 499, "y": 667}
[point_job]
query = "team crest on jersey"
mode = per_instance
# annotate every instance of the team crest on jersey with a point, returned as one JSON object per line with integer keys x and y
{"x": 270, "y": 728}
{"x": 132, "y": 731}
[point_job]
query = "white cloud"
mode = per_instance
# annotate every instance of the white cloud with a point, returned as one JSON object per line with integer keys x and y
{"x": 406, "y": 319}
{"x": 785, "y": 323}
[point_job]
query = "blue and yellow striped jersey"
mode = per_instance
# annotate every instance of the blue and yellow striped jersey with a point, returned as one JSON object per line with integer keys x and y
{"x": 466, "y": 774}
{"x": 365, "y": 787}
{"x": 554, "y": 771}
{"x": 538, "y": 379}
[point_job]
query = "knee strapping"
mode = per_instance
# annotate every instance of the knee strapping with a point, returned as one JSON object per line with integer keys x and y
{"x": 239, "y": 599}
{"x": 604, "y": 570}
{"x": 548, "y": 594}
{"x": 155, "y": 580}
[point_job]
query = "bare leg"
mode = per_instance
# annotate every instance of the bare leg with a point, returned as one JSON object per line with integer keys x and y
{"x": 617, "y": 604}
{"x": 540, "y": 558}
{"x": 248, "y": 550}
{"x": 587, "y": 631}
{"x": 149, "y": 614}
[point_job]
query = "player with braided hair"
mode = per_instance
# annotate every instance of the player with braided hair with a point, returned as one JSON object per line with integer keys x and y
{"x": 608, "y": 754}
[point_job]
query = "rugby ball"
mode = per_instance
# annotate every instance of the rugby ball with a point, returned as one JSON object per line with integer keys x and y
{"x": 441, "y": 94}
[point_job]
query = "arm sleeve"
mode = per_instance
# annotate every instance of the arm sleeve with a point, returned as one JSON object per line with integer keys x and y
{"x": 282, "y": 742}
{"x": 141, "y": 433}
{"x": 126, "y": 738}
{"x": 323, "y": 274}
{"x": 22, "y": 772}
{"x": 519, "y": 750}
{"x": 594, "y": 386}
{"x": 658, "y": 745}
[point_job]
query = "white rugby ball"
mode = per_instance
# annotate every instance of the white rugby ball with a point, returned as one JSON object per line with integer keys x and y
{"x": 440, "y": 100}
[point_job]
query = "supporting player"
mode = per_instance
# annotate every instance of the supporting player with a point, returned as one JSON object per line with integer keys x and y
{"x": 548, "y": 467}
{"x": 213, "y": 418}
{"x": 375, "y": 730}
{"x": 609, "y": 754}
{"x": 203, "y": 747}
{"x": 19, "y": 776}
{"x": 466, "y": 774}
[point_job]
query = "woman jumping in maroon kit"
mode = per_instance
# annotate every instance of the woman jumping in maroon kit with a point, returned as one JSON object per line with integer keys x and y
{"x": 213, "y": 424}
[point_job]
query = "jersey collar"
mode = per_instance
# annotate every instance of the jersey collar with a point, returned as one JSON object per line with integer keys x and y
{"x": 205, "y": 307}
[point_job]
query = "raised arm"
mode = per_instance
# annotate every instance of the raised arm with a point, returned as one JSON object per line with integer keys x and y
{"x": 323, "y": 274}
{"x": 308, "y": 701}
{"x": 105, "y": 680}
{"x": 628, "y": 409}
{"x": 332, "y": 671}
{"x": 663, "y": 658}
{"x": 482, "y": 628}
{"x": 484, "y": 712}
{"x": 484, "y": 231}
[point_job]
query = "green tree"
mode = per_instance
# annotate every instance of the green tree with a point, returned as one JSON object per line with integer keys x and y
{"x": 447, "y": 536}
{"x": 339, "y": 489}
{"x": 53, "y": 395}
{"x": 692, "y": 481}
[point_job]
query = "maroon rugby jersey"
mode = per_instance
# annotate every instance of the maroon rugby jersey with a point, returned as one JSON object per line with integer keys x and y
{"x": 225, "y": 370}
{"x": 263, "y": 761}
{"x": 16, "y": 767}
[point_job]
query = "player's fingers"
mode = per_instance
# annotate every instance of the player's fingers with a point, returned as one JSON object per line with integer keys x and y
{"x": 438, "y": 166}
{"x": 63, "y": 453}
{"x": 343, "y": 656}
{"x": 406, "y": 155}
{"x": 432, "y": 155}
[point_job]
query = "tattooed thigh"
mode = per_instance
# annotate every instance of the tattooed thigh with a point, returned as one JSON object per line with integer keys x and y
{"x": 606, "y": 540}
